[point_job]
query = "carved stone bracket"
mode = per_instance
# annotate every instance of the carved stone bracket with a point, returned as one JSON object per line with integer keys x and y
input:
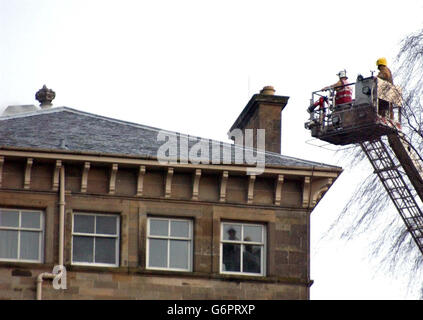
{"x": 1, "y": 169}
{"x": 319, "y": 188}
{"x": 112, "y": 182}
{"x": 56, "y": 175}
{"x": 84, "y": 180}
{"x": 251, "y": 189}
{"x": 168, "y": 186}
{"x": 196, "y": 184}
{"x": 314, "y": 189}
{"x": 140, "y": 183}
{"x": 278, "y": 189}
{"x": 27, "y": 180}
{"x": 223, "y": 183}
{"x": 306, "y": 192}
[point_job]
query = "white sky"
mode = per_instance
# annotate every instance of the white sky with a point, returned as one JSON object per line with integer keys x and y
{"x": 191, "y": 66}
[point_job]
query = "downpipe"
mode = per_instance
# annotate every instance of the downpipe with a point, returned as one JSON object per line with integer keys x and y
{"x": 62, "y": 215}
{"x": 40, "y": 278}
{"x": 48, "y": 275}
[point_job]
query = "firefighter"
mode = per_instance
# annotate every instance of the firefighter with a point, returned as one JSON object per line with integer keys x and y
{"x": 343, "y": 91}
{"x": 384, "y": 74}
{"x": 319, "y": 103}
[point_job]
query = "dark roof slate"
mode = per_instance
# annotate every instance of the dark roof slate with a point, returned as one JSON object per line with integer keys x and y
{"x": 64, "y": 128}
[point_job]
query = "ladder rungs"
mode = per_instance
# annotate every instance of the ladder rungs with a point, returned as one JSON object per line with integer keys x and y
{"x": 395, "y": 173}
{"x": 403, "y": 196}
{"x": 415, "y": 219}
{"x": 410, "y": 207}
{"x": 398, "y": 199}
{"x": 388, "y": 169}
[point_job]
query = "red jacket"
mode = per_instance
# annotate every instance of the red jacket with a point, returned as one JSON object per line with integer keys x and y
{"x": 343, "y": 94}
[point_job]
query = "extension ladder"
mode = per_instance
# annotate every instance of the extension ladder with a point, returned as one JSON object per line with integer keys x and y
{"x": 392, "y": 179}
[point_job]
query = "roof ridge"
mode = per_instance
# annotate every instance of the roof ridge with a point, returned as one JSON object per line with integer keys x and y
{"x": 64, "y": 108}
{"x": 32, "y": 113}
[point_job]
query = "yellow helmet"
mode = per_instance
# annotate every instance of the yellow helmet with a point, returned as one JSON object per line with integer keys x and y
{"x": 381, "y": 62}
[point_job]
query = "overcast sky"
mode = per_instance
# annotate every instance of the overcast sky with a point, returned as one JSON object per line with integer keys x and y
{"x": 191, "y": 67}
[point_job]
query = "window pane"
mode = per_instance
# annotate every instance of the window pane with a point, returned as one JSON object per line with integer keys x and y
{"x": 231, "y": 232}
{"x": 231, "y": 257}
{"x": 251, "y": 259}
{"x": 179, "y": 229}
{"x": 158, "y": 253}
{"x": 9, "y": 218}
{"x": 30, "y": 220}
{"x": 253, "y": 233}
{"x": 106, "y": 225}
{"x": 159, "y": 227}
{"x": 178, "y": 254}
{"x": 83, "y": 249}
{"x": 30, "y": 245}
{"x": 105, "y": 250}
{"x": 83, "y": 223}
{"x": 8, "y": 244}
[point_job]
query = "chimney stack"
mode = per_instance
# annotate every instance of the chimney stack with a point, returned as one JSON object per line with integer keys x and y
{"x": 263, "y": 111}
{"x": 45, "y": 96}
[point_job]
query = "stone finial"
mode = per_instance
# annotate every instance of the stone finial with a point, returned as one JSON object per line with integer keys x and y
{"x": 268, "y": 90}
{"x": 45, "y": 96}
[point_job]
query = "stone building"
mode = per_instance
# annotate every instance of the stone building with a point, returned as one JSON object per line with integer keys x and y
{"x": 90, "y": 193}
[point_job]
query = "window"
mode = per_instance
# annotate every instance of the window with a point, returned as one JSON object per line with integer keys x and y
{"x": 21, "y": 235}
{"x": 243, "y": 248}
{"x": 169, "y": 244}
{"x": 95, "y": 239}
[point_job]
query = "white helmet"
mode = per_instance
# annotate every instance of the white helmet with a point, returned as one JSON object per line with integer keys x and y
{"x": 342, "y": 74}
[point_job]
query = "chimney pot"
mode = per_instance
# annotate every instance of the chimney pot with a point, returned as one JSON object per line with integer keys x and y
{"x": 268, "y": 90}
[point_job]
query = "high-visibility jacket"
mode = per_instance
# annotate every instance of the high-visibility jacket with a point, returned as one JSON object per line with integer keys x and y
{"x": 385, "y": 74}
{"x": 344, "y": 94}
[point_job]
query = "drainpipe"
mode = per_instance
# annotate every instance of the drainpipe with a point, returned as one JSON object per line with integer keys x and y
{"x": 47, "y": 275}
{"x": 62, "y": 215}
{"x": 41, "y": 276}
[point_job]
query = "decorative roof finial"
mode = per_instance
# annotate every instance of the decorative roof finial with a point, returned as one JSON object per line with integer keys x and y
{"x": 45, "y": 96}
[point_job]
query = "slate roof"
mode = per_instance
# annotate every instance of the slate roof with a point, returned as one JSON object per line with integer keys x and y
{"x": 67, "y": 129}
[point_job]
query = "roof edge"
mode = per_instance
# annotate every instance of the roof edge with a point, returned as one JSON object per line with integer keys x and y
{"x": 146, "y": 157}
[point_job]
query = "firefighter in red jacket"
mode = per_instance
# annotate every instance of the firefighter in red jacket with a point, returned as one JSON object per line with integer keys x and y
{"x": 343, "y": 91}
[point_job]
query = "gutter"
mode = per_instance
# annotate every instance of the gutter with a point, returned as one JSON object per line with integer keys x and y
{"x": 331, "y": 171}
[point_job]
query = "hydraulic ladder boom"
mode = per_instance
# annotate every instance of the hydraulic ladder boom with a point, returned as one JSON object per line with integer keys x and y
{"x": 374, "y": 113}
{"x": 394, "y": 183}
{"x": 409, "y": 160}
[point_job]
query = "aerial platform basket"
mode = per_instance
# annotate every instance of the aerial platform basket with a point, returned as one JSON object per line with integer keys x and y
{"x": 374, "y": 112}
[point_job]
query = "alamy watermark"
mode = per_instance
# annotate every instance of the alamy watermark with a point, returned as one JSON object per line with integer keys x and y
{"x": 184, "y": 149}
{"x": 59, "y": 280}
